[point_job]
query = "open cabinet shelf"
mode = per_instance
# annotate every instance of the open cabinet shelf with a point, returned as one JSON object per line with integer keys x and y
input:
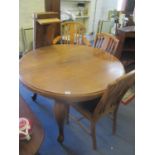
{"x": 48, "y": 21}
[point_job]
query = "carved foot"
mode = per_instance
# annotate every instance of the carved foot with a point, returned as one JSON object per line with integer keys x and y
{"x": 60, "y": 139}
{"x": 34, "y": 96}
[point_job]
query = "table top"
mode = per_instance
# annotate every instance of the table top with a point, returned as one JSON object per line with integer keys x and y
{"x": 69, "y": 72}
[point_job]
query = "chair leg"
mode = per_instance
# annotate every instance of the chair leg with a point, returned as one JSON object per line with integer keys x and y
{"x": 114, "y": 122}
{"x": 67, "y": 115}
{"x": 93, "y": 134}
{"x": 34, "y": 96}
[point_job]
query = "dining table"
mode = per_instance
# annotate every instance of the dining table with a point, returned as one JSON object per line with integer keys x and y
{"x": 67, "y": 74}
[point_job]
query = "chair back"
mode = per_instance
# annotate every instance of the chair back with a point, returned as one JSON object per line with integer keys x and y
{"x": 72, "y": 32}
{"x": 106, "y": 42}
{"x": 113, "y": 94}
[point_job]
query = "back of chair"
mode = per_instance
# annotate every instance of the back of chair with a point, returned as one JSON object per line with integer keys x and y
{"x": 113, "y": 94}
{"x": 72, "y": 32}
{"x": 107, "y": 42}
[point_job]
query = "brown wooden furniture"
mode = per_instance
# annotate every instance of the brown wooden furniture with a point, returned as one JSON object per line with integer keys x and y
{"x": 45, "y": 28}
{"x": 52, "y": 5}
{"x": 109, "y": 102}
{"x": 68, "y": 73}
{"x": 107, "y": 42}
{"x": 31, "y": 147}
{"x": 72, "y": 33}
{"x": 126, "y": 49}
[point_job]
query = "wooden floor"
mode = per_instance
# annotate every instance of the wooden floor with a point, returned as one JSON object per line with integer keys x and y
{"x": 77, "y": 141}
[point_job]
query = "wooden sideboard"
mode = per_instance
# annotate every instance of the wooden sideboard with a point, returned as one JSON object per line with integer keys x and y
{"x": 45, "y": 28}
{"x": 126, "y": 49}
{"x": 46, "y": 25}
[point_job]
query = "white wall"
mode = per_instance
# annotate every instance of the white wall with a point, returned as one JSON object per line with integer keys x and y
{"x": 102, "y": 8}
{"x": 72, "y": 7}
{"x": 26, "y": 9}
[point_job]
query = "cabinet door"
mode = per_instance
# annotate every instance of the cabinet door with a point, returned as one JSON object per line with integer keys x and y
{"x": 53, "y": 6}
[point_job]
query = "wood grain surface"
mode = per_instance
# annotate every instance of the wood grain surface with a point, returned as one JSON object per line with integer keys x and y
{"x": 69, "y": 72}
{"x": 31, "y": 147}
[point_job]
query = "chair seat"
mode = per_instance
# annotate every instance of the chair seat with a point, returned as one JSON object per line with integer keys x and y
{"x": 87, "y": 107}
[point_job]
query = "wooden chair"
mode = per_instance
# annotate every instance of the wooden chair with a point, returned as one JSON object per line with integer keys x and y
{"x": 109, "y": 102}
{"x": 72, "y": 33}
{"x": 107, "y": 42}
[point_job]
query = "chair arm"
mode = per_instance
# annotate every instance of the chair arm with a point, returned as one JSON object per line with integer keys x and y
{"x": 56, "y": 39}
{"x": 86, "y": 41}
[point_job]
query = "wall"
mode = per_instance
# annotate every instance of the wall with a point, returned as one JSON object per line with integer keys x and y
{"x": 26, "y": 9}
{"x": 102, "y": 8}
{"x": 72, "y": 7}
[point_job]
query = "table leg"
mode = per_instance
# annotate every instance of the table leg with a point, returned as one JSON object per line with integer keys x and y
{"x": 60, "y": 113}
{"x": 34, "y": 96}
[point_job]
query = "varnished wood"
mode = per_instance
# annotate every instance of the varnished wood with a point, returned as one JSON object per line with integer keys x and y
{"x": 45, "y": 15}
{"x": 114, "y": 120}
{"x": 108, "y": 103}
{"x": 60, "y": 112}
{"x": 31, "y": 147}
{"x": 48, "y": 21}
{"x": 72, "y": 33}
{"x": 107, "y": 42}
{"x": 34, "y": 96}
{"x": 52, "y": 5}
{"x": 93, "y": 134}
{"x": 69, "y": 72}
{"x": 126, "y": 49}
{"x": 43, "y": 32}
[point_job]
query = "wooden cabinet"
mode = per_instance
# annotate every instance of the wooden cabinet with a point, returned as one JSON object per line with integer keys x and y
{"x": 46, "y": 28}
{"x": 126, "y": 50}
{"x": 52, "y": 6}
{"x": 46, "y": 25}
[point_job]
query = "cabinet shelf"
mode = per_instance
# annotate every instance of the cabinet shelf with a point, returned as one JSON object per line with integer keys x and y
{"x": 48, "y": 21}
{"x": 80, "y": 14}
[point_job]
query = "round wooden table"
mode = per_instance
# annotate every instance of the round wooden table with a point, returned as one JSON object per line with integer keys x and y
{"x": 68, "y": 73}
